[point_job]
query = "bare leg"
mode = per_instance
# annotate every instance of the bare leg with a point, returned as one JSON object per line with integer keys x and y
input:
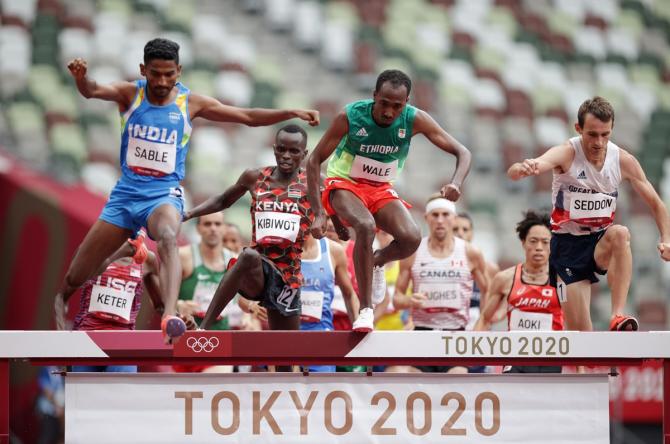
{"x": 351, "y": 210}
{"x": 163, "y": 224}
{"x": 395, "y": 219}
{"x": 101, "y": 241}
{"x": 613, "y": 254}
{"x": 246, "y": 276}
{"x": 576, "y": 310}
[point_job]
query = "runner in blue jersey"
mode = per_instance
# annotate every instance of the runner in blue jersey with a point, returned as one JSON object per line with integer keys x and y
{"x": 324, "y": 265}
{"x": 156, "y": 121}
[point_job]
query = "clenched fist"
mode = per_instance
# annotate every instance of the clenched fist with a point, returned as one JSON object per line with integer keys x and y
{"x": 78, "y": 68}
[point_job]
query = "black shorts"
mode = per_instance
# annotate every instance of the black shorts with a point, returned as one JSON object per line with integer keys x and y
{"x": 571, "y": 258}
{"x": 277, "y": 294}
{"x": 533, "y": 369}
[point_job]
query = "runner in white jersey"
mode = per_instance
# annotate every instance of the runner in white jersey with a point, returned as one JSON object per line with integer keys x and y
{"x": 587, "y": 171}
{"x": 442, "y": 271}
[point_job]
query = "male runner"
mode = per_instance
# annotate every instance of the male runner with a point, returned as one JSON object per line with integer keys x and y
{"x": 587, "y": 172}
{"x": 156, "y": 118}
{"x": 269, "y": 271}
{"x": 111, "y": 301}
{"x": 202, "y": 268}
{"x": 464, "y": 229}
{"x": 532, "y": 303}
{"x": 324, "y": 266}
{"x": 232, "y": 238}
{"x": 442, "y": 271}
{"x": 372, "y": 139}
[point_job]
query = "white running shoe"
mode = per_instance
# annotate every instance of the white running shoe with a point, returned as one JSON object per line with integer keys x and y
{"x": 365, "y": 321}
{"x": 378, "y": 284}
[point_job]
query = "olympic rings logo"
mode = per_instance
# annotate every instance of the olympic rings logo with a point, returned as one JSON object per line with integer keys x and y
{"x": 202, "y": 344}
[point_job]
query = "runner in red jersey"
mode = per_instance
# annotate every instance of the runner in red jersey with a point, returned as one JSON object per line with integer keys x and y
{"x": 269, "y": 271}
{"x": 112, "y": 299}
{"x": 532, "y": 303}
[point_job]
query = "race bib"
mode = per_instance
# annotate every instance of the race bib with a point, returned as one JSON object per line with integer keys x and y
{"x": 203, "y": 295}
{"x": 370, "y": 169}
{"x": 524, "y": 320}
{"x": 151, "y": 158}
{"x": 312, "y": 305}
{"x": 584, "y": 205}
{"x": 275, "y": 227}
{"x": 441, "y": 296}
{"x": 115, "y": 303}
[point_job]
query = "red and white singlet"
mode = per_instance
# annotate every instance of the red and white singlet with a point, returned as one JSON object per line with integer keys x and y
{"x": 448, "y": 284}
{"x": 584, "y": 198}
{"x": 533, "y": 307}
{"x": 111, "y": 300}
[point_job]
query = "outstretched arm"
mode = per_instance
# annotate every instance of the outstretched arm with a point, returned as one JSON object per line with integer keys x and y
{"x": 500, "y": 286}
{"x": 337, "y": 130}
{"x": 559, "y": 157}
{"x": 631, "y": 170}
{"x": 479, "y": 275}
{"x": 211, "y": 109}
{"x": 120, "y": 92}
{"x": 426, "y": 125}
{"x": 224, "y": 200}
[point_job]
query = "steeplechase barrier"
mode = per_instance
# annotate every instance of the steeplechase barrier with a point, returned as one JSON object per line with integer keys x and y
{"x": 358, "y": 407}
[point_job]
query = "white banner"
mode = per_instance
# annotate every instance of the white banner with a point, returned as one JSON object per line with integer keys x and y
{"x": 353, "y": 408}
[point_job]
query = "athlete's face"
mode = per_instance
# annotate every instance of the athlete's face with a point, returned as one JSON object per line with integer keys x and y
{"x": 463, "y": 228}
{"x": 211, "y": 229}
{"x": 440, "y": 223}
{"x": 536, "y": 245}
{"x": 289, "y": 151}
{"x": 232, "y": 239}
{"x": 595, "y": 135}
{"x": 161, "y": 75}
{"x": 389, "y": 103}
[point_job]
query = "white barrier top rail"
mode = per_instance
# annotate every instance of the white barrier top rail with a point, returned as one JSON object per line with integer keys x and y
{"x": 336, "y": 346}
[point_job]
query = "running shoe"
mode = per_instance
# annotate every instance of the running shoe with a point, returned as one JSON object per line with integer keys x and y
{"x": 378, "y": 284}
{"x": 365, "y": 321}
{"x": 623, "y": 323}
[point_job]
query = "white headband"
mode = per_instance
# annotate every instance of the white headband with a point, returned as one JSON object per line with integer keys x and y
{"x": 441, "y": 204}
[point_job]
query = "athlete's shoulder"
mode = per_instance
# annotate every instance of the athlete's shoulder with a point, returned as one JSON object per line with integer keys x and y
{"x": 505, "y": 277}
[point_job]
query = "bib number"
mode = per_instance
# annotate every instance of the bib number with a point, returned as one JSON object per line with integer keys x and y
{"x": 286, "y": 297}
{"x": 524, "y": 320}
{"x": 441, "y": 296}
{"x": 312, "y": 305}
{"x": 273, "y": 227}
{"x": 585, "y": 206}
{"x": 370, "y": 169}
{"x": 150, "y": 158}
{"x": 111, "y": 303}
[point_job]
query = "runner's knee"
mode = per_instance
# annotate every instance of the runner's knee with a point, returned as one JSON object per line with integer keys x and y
{"x": 409, "y": 237}
{"x": 248, "y": 258}
{"x": 620, "y": 236}
{"x": 167, "y": 238}
{"x": 365, "y": 229}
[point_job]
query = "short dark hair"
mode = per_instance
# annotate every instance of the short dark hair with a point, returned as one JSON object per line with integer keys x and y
{"x": 293, "y": 129}
{"x": 599, "y": 107}
{"x": 466, "y": 215}
{"x": 396, "y": 78}
{"x": 162, "y": 49}
{"x": 530, "y": 219}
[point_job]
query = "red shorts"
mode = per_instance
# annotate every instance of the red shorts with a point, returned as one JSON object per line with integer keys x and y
{"x": 374, "y": 197}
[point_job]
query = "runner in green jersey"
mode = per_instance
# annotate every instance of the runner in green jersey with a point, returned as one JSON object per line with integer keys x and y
{"x": 371, "y": 141}
{"x": 203, "y": 265}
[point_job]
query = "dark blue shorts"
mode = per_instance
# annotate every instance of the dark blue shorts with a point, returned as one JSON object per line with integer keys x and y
{"x": 571, "y": 258}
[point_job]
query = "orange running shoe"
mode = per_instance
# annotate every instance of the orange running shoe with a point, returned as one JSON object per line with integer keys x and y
{"x": 141, "y": 251}
{"x": 623, "y": 323}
